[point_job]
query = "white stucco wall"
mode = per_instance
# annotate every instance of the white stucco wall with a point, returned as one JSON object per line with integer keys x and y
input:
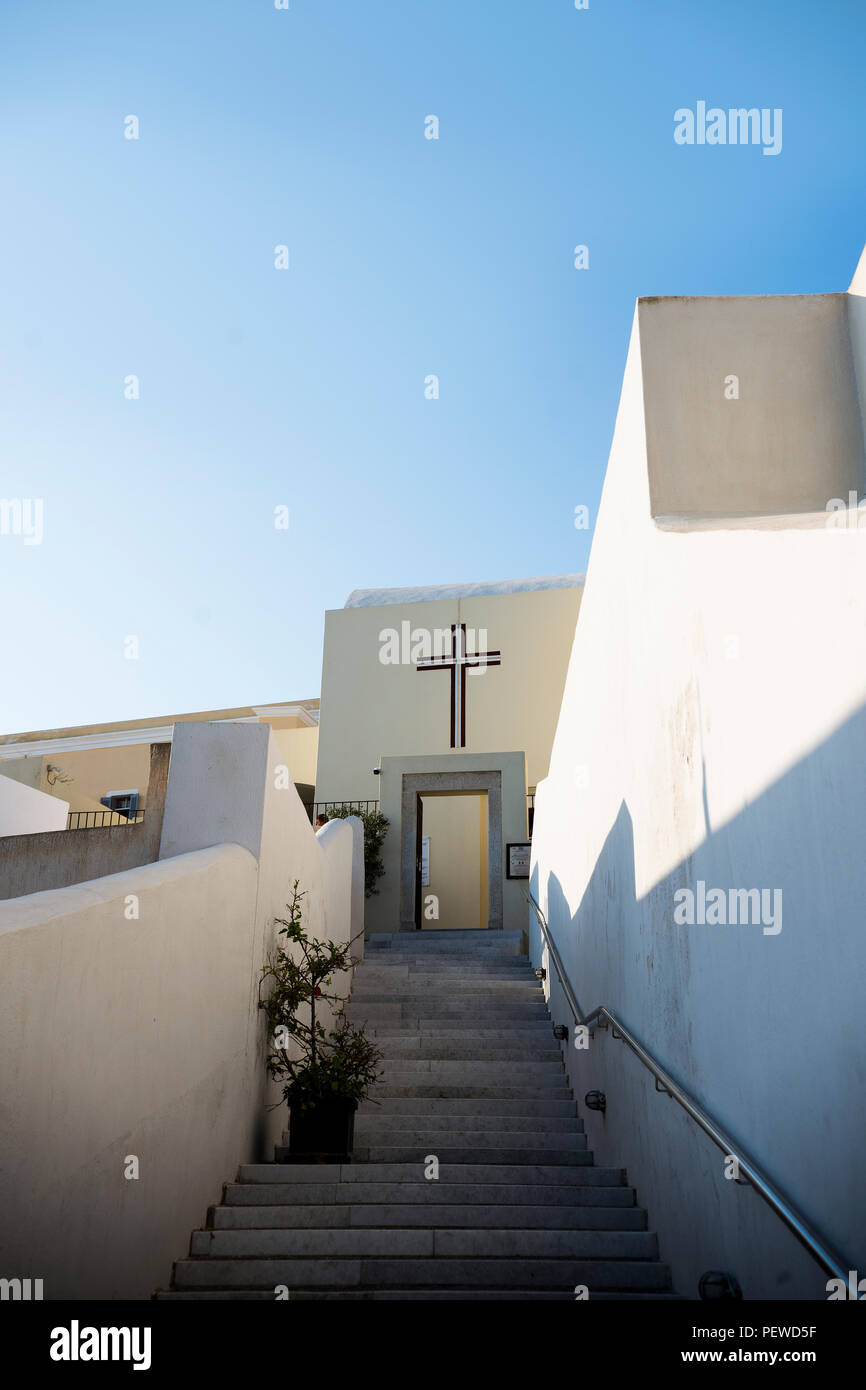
{"x": 142, "y": 1036}
{"x": 713, "y": 729}
{"x": 342, "y": 845}
{"x": 25, "y": 810}
{"x": 123, "y": 1037}
{"x": 856, "y": 305}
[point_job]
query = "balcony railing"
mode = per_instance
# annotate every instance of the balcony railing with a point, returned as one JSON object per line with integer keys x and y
{"x": 97, "y": 820}
{"x": 330, "y": 806}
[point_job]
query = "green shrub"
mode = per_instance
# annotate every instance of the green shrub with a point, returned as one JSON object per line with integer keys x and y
{"x": 375, "y": 829}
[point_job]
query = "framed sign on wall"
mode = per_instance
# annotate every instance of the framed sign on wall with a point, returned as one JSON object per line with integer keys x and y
{"x": 517, "y": 860}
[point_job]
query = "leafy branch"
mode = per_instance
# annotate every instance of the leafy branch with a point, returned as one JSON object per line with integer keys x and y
{"x": 330, "y": 1063}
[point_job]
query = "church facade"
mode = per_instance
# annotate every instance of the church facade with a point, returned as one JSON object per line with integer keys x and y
{"x": 440, "y": 704}
{"x": 438, "y": 708}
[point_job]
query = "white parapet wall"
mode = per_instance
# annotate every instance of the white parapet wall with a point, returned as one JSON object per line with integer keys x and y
{"x": 132, "y": 1078}
{"x": 27, "y": 811}
{"x": 342, "y": 842}
{"x": 713, "y": 737}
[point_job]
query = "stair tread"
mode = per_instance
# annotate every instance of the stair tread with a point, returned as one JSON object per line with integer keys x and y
{"x": 472, "y": 1075}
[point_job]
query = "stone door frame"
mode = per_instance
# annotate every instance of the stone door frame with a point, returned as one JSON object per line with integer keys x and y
{"x": 417, "y": 784}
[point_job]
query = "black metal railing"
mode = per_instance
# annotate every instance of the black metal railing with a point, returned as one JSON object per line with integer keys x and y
{"x": 97, "y": 820}
{"x": 327, "y": 807}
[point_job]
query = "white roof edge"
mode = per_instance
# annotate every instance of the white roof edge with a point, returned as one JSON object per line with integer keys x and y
{"x": 429, "y": 593}
{"x": 114, "y": 738}
{"x": 858, "y": 281}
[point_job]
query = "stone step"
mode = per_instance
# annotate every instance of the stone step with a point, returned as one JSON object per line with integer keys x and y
{"x": 466, "y": 1019}
{"x": 451, "y": 1215}
{"x": 443, "y": 990}
{"x": 367, "y": 1122}
{"x": 565, "y": 1273}
{"x": 329, "y": 1242}
{"x": 472, "y": 1075}
{"x": 521, "y": 1151}
{"x": 462, "y": 1026}
{"x": 612, "y": 1192}
{"x": 428, "y": 1107}
{"x": 505, "y": 967}
{"x": 435, "y": 1023}
{"x": 453, "y": 1295}
{"x": 408, "y": 1090}
{"x": 490, "y": 1138}
{"x": 460, "y": 937}
{"x": 425, "y": 1008}
{"x": 454, "y": 1030}
{"x": 434, "y": 957}
{"x": 418, "y": 1047}
{"x": 501, "y": 969}
{"x": 468, "y": 996}
{"x": 404, "y": 1070}
{"x": 534, "y": 1171}
{"x": 397, "y": 1081}
{"x": 477, "y": 1069}
{"x": 454, "y": 1003}
{"x": 439, "y": 988}
{"x": 441, "y": 953}
{"x": 414, "y": 1295}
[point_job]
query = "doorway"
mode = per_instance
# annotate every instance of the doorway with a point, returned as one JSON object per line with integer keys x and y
{"x": 452, "y": 870}
{"x": 420, "y": 795}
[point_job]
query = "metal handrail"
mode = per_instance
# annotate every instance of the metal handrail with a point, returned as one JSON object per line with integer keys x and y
{"x": 805, "y": 1233}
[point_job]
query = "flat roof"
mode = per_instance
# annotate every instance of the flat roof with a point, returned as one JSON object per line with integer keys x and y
{"x": 429, "y": 593}
{"x": 161, "y": 721}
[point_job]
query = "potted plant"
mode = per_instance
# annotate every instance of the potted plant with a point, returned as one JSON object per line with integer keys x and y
{"x": 324, "y": 1072}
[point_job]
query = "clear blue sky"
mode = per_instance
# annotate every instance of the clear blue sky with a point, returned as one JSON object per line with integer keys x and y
{"x": 409, "y": 256}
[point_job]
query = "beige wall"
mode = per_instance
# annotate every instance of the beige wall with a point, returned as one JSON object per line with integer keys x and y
{"x": 794, "y": 437}
{"x": 27, "y": 771}
{"x": 384, "y": 909}
{"x": 34, "y": 863}
{"x": 300, "y": 750}
{"x": 370, "y": 710}
{"x": 97, "y": 771}
{"x": 457, "y": 826}
{"x": 94, "y": 773}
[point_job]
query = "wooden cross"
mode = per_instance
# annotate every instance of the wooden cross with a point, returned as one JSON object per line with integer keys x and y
{"x": 458, "y": 659}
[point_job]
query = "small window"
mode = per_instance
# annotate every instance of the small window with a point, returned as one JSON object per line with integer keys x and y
{"x": 125, "y": 803}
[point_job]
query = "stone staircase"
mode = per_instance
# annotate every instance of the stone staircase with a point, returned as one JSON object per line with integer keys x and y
{"x": 474, "y": 1078}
